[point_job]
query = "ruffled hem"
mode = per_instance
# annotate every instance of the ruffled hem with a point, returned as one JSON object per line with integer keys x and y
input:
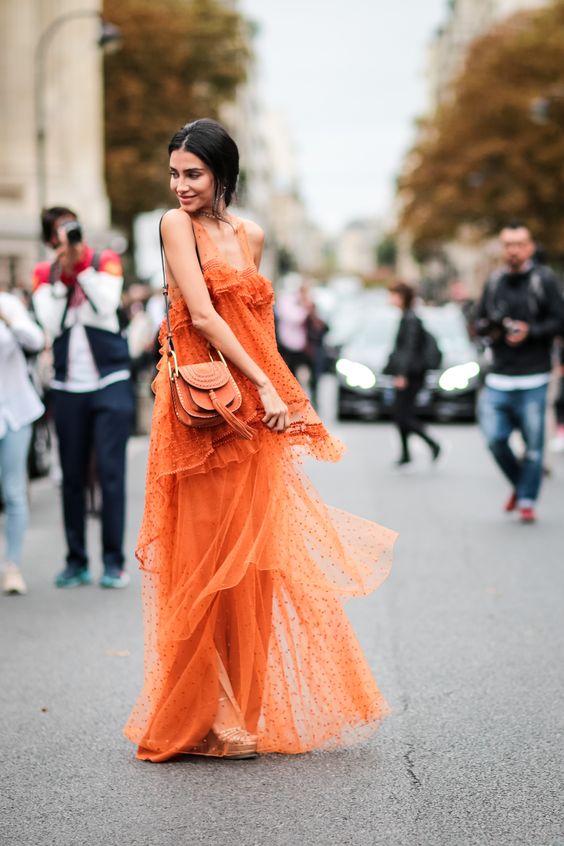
{"x": 249, "y": 561}
{"x": 248, "y": 285}
{"x": 248, "y": 288}
{"x": 244, "y": 565}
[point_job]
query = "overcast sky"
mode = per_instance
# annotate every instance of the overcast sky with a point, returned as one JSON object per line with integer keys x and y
{"x": 349, "y": 75}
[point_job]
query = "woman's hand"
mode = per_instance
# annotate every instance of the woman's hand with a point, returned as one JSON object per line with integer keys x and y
{"x": 276, "y": 414}
{"x": 518, "y": 332}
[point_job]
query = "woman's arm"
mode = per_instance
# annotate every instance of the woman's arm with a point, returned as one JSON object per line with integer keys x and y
{"x": 25, "y": 330}
{"x": 181, "y": 259}
{"x": 49, "y": 304}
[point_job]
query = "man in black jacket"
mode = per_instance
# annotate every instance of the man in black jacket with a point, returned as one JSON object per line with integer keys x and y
{"x": 520, "y": 313}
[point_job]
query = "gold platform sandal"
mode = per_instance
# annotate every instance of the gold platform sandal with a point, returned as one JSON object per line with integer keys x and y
{"x": 230, "y": 741}
{"x": 234, "y": 743}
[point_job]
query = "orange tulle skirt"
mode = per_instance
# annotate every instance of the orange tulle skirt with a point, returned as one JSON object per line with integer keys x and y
{"x": 254, "y": 568}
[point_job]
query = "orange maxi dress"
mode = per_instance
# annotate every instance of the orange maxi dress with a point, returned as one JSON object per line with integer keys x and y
{"x": 242, "y": 560}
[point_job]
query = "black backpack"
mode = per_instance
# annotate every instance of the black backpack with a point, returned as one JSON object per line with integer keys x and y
{"x": 431, "y": 355}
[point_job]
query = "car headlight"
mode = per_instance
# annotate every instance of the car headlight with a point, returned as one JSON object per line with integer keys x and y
{"x": 356, "y": 375}
{"x": 458, "y": 378}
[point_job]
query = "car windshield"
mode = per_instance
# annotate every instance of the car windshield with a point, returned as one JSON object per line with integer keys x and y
{"x": 344, "y": 321}
{"x": 449, "y": 329}
{"x": 378, "y": 329}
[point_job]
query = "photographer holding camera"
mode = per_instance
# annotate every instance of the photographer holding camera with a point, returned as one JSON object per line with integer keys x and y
{"x": 76, "y": 298}
{"x": 519, "y": 314}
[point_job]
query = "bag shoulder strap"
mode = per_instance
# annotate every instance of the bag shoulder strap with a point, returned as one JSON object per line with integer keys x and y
{"x": 537, "y": 284}
{"x": 54, "y": 274}
{"x": 53, "y": 277}
{"x": 169, "y": 339}
{"x": 492, "y": 286}
{"x": 170, "y": 343}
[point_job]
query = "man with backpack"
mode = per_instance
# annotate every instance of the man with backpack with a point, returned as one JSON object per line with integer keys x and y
{"x": 415, "y": 351}
{"x": 76, "y": 298}
{"x": 520, "y": 312}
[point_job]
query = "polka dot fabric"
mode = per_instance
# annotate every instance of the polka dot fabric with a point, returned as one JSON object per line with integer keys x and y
{"x": 241, "y": 558}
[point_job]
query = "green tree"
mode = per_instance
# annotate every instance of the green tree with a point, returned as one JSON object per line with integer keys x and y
{"x": 495, "y": 149}
{"x": 386, "y": 251}
{"x": 180, "y": 60}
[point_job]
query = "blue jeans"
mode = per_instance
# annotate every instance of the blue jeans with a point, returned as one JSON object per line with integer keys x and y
{"x": 502, "y": 412}
{"x": 14, "y": 447}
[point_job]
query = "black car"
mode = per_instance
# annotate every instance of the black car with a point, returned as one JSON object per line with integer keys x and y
{"x": 448, "y": 393}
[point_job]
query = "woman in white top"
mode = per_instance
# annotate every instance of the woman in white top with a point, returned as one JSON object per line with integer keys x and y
{"x": 19, "y": 407}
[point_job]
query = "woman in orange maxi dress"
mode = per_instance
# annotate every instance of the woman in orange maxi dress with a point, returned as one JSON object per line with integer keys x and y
{"x": 248, "y": 647}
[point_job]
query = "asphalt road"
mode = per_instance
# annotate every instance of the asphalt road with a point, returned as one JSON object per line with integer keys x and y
{"x": 466, "y": 640}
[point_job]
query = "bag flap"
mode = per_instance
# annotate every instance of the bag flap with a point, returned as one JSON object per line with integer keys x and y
{"x": 201, "y": 398}
{"x": 208, "y": 375}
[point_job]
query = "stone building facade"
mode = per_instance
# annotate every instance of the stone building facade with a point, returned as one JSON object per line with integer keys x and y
{"x": 65, "y": 81}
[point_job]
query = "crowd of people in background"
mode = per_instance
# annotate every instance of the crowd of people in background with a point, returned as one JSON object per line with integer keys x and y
{"x": 300, "y": 332}
{"x": 20, "y": 406}
{"x": 103, "y": 347}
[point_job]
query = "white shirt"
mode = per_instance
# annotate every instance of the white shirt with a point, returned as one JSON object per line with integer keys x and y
{"x": 82, "y": 373}
{"x": 98, "y": 309}
{"x": 19, "y": 403}
{"x": 525, "y": 382}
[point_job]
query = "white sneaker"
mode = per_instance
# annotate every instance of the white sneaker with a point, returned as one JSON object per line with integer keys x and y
{"x": 13, "y": 581}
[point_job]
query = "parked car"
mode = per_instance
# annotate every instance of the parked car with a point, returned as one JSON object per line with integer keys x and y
{"x": 449, "y": 393}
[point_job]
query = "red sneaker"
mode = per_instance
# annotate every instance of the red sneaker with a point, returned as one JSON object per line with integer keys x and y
{"x": 511, "y": 503}
{"x": 527, "y": 514}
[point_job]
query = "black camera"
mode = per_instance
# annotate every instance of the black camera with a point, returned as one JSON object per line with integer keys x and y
{"x": 496, "y": 326}
{"x": 73, "y": 231}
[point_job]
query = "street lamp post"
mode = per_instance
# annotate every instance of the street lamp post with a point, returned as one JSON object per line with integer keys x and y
{"x": 108, "y": 34}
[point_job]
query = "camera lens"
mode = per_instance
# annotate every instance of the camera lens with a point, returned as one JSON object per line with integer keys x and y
{"x": 73, "y": 231}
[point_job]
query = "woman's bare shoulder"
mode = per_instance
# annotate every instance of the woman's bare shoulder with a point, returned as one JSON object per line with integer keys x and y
{"x": 253, "y": 231}
{"x": 176, "y": 221}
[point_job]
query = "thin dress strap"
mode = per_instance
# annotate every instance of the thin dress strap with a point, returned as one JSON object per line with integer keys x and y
{"x": 241, "y": 233}
{"x": 209, "y": 250}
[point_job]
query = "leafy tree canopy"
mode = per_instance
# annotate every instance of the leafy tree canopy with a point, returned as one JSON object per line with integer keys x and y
{"x": 495, "y": 149}
{"x": 180, "y": 60}
{"x": 386, "y": 252}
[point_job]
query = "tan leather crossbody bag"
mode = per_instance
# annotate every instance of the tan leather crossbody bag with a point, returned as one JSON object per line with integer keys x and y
{"x": 204, "y": 394}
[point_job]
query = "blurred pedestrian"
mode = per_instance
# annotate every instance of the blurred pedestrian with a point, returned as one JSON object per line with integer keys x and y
{"x": 300, "y": 332}
{"x": 19, "y": 407}
{"x": 247, "y": 644}
{"x": 76, "y": 298}
{"x": 558, "y": 440}
{"x": 408, "y": 367}
{"x": 291, "y": 328}
{"x": 316, "y": 329}
{"x": 520, "y": 313}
